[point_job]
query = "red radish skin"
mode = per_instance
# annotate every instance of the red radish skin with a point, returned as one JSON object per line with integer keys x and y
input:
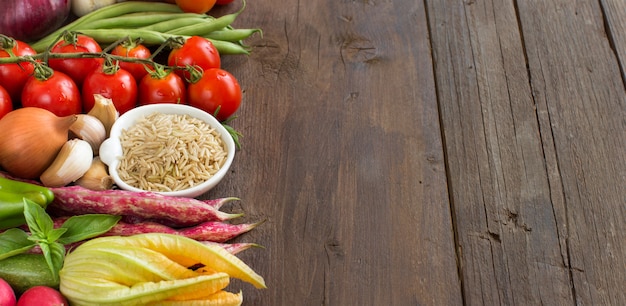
{"x": 178, "y": 211}
{"x": 7, "y": 295}
{"x": 42, "y": 296}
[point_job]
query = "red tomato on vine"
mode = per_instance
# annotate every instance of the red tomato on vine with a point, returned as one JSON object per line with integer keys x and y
{"x": 111, "y": 82}
{"x": 162, "y": 86}
{"x": 76, "y": 68}
{"x": 133, "y": 50}
{"x": 14, "y": 76}
{"x": 216, "y": 92}
{"x": 6, "y": 104}
{"x": 55, "y": 91}
{"x": 196, "y": 51}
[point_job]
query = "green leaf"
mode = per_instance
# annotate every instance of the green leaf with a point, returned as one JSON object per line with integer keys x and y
{"x": 234, "y": 134}
{"x": 87, "y": 226}
{"x": 55, "y": 234}
{"x": 39, "y": 222}
{"x": 57, "y": 258}
{"x": 14, "y": 241}
{"x": 55, "y": 254}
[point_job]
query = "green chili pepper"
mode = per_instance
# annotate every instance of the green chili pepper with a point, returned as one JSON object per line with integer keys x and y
{"x": 12, "y": 194}
{"x": 12, "y": 207}
{"x": 13, "y": 186}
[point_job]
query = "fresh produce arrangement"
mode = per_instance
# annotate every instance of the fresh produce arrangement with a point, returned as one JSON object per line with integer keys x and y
{"x": 68, "y": 234}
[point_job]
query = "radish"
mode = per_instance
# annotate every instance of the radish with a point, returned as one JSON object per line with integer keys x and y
{"x": 177, "y": 211}
{"x": 42, "y": 296}
{"x": 7, "y": 295}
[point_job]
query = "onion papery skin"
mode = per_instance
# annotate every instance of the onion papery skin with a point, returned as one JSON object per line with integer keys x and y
{"x": 30, "y": 20}
{"x": 30, "y": 140}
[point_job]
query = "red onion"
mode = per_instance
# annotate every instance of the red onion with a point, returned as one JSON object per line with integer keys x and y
{"x": 30, "y": 20}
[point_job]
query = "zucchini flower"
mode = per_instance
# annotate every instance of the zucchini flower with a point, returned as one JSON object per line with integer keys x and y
{"x": 152, "y": 269}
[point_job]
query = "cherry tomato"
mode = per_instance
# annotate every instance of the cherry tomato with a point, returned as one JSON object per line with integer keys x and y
{"x": 14, "y": 76}
{"x": 216, "y": 89}
{"x": 76, "y": 68}
{"x": 133, "y": 50}
{"x": 118, "y": 85}
{"x": 195, "y": 6}
{"x": 223, "y": 2}
{"x": 196, "y": 51}
{"x": 162, "y": 87}
{"x": 6, "y": 105}
{"x": 58, "y": 94}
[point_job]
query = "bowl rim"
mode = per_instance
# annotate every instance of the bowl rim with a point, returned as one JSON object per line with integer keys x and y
{"x": 110, "y": 151}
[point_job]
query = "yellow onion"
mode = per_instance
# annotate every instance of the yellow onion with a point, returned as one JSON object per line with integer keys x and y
{"x": 30, "y": 139}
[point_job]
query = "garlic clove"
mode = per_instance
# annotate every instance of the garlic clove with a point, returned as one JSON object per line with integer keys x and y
{"x": 105, "y": 111}
{"x": 97, "y": 177}
{"x": 89, "y": 129}
{"x": 70, "y": 164}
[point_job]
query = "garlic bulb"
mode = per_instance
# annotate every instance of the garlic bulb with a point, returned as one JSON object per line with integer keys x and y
{"x": 97, "y": 177}
{"x": 71, "y": 163}
{"x": 89, "y": 129}
{"x": 105, "y": 111}
{"x": 30, "y": 139}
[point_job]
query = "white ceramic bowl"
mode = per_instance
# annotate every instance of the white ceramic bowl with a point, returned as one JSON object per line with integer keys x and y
{"x": 111, "y": 149}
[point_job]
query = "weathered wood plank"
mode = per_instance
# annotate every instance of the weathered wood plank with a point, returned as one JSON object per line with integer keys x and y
{"x": 342, "y": 155}
{"x": 615, "y": 15}
{"x": 508, "y": 234}
{"x": 581, "y": 106}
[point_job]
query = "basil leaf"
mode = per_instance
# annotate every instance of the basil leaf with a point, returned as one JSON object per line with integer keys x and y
{"x": 58, "y": 257}
{"x": 55, "y": 255}
{"x": 83, "y": 227}
{"x": 55, "y": 234}
{"x": 39, "y": 222}
{"x": 14, "y": 241}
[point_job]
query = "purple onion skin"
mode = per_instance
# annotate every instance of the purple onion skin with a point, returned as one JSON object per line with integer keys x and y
{"x": 30, "y": 20}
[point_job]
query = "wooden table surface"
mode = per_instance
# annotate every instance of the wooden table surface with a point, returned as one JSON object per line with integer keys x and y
{"x": 433, "y": 152}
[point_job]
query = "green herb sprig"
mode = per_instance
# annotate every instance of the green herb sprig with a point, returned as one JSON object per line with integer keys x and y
{"x": 52, "y": 240}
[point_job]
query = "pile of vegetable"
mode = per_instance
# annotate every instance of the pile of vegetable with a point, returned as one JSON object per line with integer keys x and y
{"x": 32, "y": 19}
{"x": 64, "y": 226}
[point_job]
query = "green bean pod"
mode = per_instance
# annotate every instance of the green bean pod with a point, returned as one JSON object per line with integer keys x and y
{"x": 110, "y": 11}
{"x": 202, "y": 29}
{"x": 227, "y": 47}
{"x": 138, "y": 20}
{"x": 172, "y": 24}
{"x": 234, "y": 35}
{"x": 108, "y": 36}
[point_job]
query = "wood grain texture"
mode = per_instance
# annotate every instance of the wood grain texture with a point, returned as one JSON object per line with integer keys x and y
{"x": 433, "y": 152}
{"x": 508, "y": 234}
{"x": 532, "y": 106}
{"x": 581, "y": 106}
{"x": 342, "y": 155}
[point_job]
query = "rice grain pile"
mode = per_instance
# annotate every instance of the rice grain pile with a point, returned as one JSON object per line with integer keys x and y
{"x": 170, "y": 152}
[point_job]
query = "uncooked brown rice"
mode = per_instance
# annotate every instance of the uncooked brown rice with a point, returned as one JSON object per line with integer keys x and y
{"x": 170, "y": 152}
